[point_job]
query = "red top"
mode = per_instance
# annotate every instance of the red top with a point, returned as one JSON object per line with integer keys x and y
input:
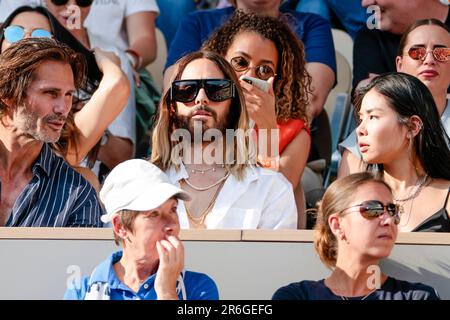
{"x": 288, "y": 130}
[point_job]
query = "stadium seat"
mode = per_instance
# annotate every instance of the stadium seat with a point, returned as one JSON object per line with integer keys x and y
{"x": 156, "y": 68}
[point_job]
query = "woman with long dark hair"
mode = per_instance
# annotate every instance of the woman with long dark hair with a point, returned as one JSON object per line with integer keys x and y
{"x": 400, "y": 134}
{"x": 424, "y": 52}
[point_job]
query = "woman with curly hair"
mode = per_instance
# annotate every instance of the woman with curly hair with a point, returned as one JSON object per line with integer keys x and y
{"x": 264, "y": 47}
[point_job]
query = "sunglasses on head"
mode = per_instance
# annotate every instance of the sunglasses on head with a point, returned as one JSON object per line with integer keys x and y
{"x": 372, "y": 209}
{"x": 16, "y": 33}
{"x": 241, "y": 64}
{"x": 419, "y": 53}
{"x": 216, "y": 89}
{"x": 80, "y": 3}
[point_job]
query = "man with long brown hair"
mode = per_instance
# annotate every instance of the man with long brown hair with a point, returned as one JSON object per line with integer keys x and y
{"x": 38, "y": 78}
{"x": 216, "y": 160}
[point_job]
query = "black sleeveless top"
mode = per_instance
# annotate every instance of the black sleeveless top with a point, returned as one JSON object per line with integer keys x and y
{"x": 438, "y": 222}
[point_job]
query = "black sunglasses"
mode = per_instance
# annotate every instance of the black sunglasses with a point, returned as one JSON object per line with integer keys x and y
{"x": 372, "y": 209}
{"x": 216, "y": 89}
{"x": 241, "y": 64}
{"x": 440, "y": 54}
{"x": 80, "y": 3}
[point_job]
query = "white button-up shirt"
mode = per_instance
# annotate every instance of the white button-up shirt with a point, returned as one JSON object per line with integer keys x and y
{"x": 264, "y": 199}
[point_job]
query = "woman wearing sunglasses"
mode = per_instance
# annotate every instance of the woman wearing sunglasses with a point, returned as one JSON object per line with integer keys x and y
{"x": 105, "y": 93}
{"x": 424, "y": 52}
{"x": 356, "y": 228}
{"x": 265, "y": 48}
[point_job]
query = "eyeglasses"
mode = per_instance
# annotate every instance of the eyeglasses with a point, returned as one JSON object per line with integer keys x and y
{"x": 216, "y": 89}
{"x": 15, "y": 33}
{"x": 80, "y": 3}
{"x": 372, "y": 209}
{"x": 263, "y": 71}
{"x": 420, "y": 53}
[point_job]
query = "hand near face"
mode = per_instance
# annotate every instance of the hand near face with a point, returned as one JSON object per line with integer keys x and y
{"x": 260, "y": 105}
{"x": 171, "y": 263}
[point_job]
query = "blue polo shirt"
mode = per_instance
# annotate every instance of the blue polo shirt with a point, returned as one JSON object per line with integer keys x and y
{"x": 198, "y": 285}
{"x": 312, "y": 30}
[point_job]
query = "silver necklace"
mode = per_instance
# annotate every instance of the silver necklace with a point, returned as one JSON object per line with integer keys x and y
{"x": 207, "y": 187}
{"x": 203, "y": 171}
{"x": 402, "y": 212}
{"x": 363, "y": 298}
{"x": 420, "y": 183}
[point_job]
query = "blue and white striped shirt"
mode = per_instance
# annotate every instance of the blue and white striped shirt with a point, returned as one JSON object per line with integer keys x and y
{"x": 57, "y": 196}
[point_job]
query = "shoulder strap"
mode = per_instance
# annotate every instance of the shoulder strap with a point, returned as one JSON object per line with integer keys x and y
{"x": 446, "y": 199}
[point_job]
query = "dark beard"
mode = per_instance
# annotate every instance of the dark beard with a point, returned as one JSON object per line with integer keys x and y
{"x": 186, "y": 122}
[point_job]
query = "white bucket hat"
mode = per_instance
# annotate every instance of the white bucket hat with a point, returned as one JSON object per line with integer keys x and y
{"x": 137, "y": 185}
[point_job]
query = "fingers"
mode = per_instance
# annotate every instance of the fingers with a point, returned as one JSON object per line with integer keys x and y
{"x": 270, "y": 81}
{"x": 178, "y": 247}
{"x": 168, "y": 251}
{"x": 169, "y": 268}
{"x": 171, "y": 252}
{"x": 246, "y": 86}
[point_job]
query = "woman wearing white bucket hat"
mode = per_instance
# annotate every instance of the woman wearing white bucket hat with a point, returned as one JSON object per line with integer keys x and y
{"x": 141, "y": 205}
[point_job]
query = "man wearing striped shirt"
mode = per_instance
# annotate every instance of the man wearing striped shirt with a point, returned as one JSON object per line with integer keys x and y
{"x": 38, "y": 78}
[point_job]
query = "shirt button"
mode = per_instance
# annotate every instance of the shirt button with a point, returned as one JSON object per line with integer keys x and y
{"x": 145, "y": 286}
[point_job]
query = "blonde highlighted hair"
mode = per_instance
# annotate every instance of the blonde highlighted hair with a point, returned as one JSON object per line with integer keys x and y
{"x": 337, "y": 198}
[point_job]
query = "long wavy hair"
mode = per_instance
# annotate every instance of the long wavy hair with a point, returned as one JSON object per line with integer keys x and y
{"x": 19, "y": 63}
{"x": 292, "y": 83}
{"x": 338, "y": 196}
{"x": 69, "y": 132}
{"x": 242, "y": 146}
{"x": 408, "y": 97}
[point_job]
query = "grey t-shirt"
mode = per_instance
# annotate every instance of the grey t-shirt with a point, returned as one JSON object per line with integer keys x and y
{"x": 392, "y": 289}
